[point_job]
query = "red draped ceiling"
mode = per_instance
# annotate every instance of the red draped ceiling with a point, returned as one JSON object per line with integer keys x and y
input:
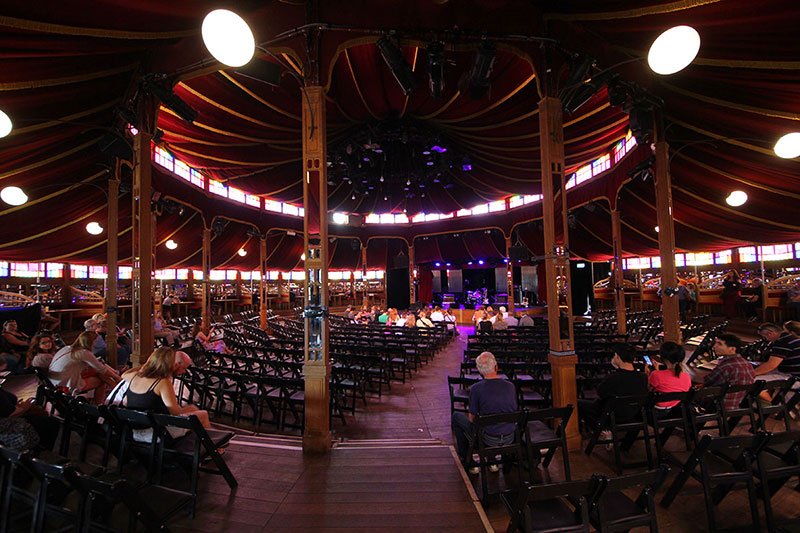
{"x": 64, "y": 67}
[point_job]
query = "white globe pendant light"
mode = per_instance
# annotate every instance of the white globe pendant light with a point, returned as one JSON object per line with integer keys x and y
{"x": 5, "y": 124}
{"x": 228, "y": 38}
{"x": 94, "y": 228}
{"x": 674, "y": 50}
{"x": 788, "y": 146}
{"x": 736, "y": 198}
{"x": 13, "y": 196}
{"x": 171, "y": 245}
{"x": 242, "y": 252}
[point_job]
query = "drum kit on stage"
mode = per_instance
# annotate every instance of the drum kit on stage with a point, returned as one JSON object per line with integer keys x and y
{"x": 478, "y": 297}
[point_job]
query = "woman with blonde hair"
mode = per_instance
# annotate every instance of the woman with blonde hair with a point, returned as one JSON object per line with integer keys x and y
{"x": 150, "y": 387}
{"x": 77, "y": 369}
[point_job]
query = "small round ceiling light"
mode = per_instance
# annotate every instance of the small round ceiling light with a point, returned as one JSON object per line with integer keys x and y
{"x": 674, "y": 50}
{"x": 94, "y": 228}
{"x": 5, "y": 124}
{"x": 657, "y": 229}
{"x": 228, "y": 38}
{"x": 171, "y": 245}
{"x": 13, "y": 196}
{"x": 303, "y": 256}
{"x": 242, "y": 252}
{"x": 788, "y": 146}
{"x": 736, "y": 198}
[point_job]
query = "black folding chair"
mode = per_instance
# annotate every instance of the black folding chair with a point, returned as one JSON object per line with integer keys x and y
{"x": 48, "y": 512}
{"x": 723, "y": 462}
{"x": 629, "y": 429}
{"x": 197, "y": 445}
{"x": 459, "y": 393}
{"x": 558, "y": 507}
{"x": 16, "y": 501}
{"x": 489, "y": 453}
{"x": 777, "y": 463}
{"x": 746, "y": 409}
{"x": 546, "y": 430}
{"x": 666, "y": 420}
{"x": 612, "y": 510}
{"x": 777, "y": 406}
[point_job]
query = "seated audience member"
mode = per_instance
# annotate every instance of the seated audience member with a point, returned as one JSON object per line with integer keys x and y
{"x": 490, "y": 312}
{"x": 207, "y": 339}
{"x": 393, "y": 317}
{"x": 673, "y": 379}
{"x": 45, "y": 426}
{"x": 97, "y": 324}
{"x": 437, "y": 315}
{"x": 784, "y": 353}
{"x": 512, "y": 320}
{"x": 411, "y": 321}
{"x": 751, "y": 303}
{"x": 732, "y": 369}
{"x": 499, "y": 323}
{"x": 166, "y": 305}
{"x": 374, "y": 313}
{"x": 423, "y": 321}
{"x": 525, "y": 321}
{"x": 77, "y": 369}
{"x": 503, "y": 312}
{"x": 41, "y": 351}
{"x": 484, "y": 324}
{"x": 450, "y": 320}
{"x": 793, "y": 327}
{"x": 624, "y": 381}
{"x": 383, "y": 318}
{"x": 13, "y": 339}
{"x": 348, "y": 313}
{"x": 490, "y": 396}
{"x": 476, "y": 316}
{"x": 162, "y": 331}
{"x": 150, "y": 387}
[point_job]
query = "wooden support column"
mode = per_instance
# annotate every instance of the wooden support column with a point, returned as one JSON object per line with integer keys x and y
{"x": 66, "y": 289}
{"x": 205, "y": 301}
{"x": 412, "y": 290}
{"x": 509, "y": 276}
{"x": 666, "y": 236}
{"x": 112, "y": 230}
{"x": 562, "y": 356}
{"x": 317, "y": 368}
{"x": 365, "y": 294}
{"x": 619, "y": 278}
{"x": 262, "y": 287}
{"x": 142, "y": 278}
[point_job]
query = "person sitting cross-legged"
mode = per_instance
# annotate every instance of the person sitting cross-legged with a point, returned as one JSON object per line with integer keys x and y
{"x": 490, "y": 396}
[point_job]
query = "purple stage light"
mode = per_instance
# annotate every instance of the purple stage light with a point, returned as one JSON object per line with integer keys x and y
{"x": 429, "y": 163}
{"x": 466, "y": 167}
{"x": 469, "y": 262}
{"x": 447, "y": 264}
{"x": 438, "y": 149}
{"x": 480, "y": 261}
{"x": 505, "y": 260}
{"x": 437, "y": 264}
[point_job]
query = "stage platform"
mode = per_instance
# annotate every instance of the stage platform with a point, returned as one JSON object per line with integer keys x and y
{"x": 361, "y": 485}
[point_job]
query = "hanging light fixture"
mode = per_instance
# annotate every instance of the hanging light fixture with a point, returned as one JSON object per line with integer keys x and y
{"x": 94, "y": 228}
{"x": 736, "y": 198}
{"x": 788, "y": 146}
{"x": 242, "y": 252}
{"x": 5, "y": 124}
{"x": 171, "y": 245}
{"x": 674, "y": 50}
{"x": 13, "y": 196}
{"x": 303, "y": 256}
{"x": 228, "y": 38}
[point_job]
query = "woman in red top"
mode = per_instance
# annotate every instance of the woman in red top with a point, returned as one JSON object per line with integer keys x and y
{"x": 673, "y": 379}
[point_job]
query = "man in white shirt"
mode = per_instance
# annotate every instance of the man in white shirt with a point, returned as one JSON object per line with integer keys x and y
{"x": 437, "y": 315}
{"x": 503, "y": 310}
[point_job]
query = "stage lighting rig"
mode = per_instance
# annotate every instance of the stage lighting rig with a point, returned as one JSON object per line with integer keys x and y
{"x": 436, "y": 69}
{"x": 152, "y": 84}
{"x": 477, "y": 79}
{"x": 400, "y": 68}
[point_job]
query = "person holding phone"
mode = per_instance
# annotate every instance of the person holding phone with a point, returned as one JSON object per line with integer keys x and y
{"x": 673, "y": 379}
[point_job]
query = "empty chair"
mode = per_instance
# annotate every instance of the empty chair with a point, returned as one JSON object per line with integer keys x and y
{"x": 777, "y": 463}
{"x": 545, "y": 430}
{"x": 625, "y": 431}
{"x": 612, "y": 510}
{"x": 558, "y": 507}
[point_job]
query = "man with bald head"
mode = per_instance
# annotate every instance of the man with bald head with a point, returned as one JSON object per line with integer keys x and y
{"x": 490, "y": 396}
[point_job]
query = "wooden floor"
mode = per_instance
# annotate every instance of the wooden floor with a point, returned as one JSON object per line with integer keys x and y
{"x": 359, "y": 486}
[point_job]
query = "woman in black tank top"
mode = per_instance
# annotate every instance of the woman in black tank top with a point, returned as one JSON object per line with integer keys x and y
{"x": 150, "y": 387}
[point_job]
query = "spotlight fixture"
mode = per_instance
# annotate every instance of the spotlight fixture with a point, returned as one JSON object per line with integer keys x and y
{"x": 477, "y": 79}
{"x": 736, "y": 198}
{"x": 218, "y": 227}
{"x": 228, "y": 38}
{"x": 787, "y": 147}
{"x": 242, "y": 252}
{"x": 579, "y": 66}
{"x": 617, "y": 92}
{"x": 94, "y": 228}
{"x": 643, "y": 166}
{"x": 640, "y": 113}
{"x": 400, "y": 68}
{"x": 5, "y": 124}
{"x": 436, "y": 69}
{"x": 481, "y": 261}
{"x": 171, "y": 101}
{"x": 171, "y": 245}
{"x": 673, "y": 50}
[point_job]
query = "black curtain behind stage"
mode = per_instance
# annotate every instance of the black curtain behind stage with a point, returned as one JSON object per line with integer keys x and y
{"x": 27, "y": 317}
{"x": 397, "y": 293}
{"x": 478, "y": 278}
{"x": 582, "y": 292}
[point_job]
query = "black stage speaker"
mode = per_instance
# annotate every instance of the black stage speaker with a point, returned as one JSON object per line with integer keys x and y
{"x": 518, "y": 253}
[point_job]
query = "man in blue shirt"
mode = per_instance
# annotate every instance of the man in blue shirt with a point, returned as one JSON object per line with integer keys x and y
{"x": 490, "y": 396}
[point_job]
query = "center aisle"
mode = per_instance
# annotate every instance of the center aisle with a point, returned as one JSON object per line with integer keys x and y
{"x": 418, "y": 408}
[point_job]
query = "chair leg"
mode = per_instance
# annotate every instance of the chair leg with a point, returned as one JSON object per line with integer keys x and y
{"x": 680, "y": 480}
{"x": 753, "y": 497}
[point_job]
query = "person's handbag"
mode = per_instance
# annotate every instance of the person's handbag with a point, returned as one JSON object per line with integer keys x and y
{"x": 16, "y": 433}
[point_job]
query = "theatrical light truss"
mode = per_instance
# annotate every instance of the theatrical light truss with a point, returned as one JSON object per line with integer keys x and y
{"x": 400, "y": 68}
{"x": 152, "y": 84}
{"x": 436, "y": 69}
{"x": 476, "y": 80}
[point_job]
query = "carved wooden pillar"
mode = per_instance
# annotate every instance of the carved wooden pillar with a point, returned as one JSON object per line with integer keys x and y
{"x": 666, "y": 236}
{"x": 262, "y": 287}
{"x": 317, "y": 369}
{"x": 142, "y": 277}
{"x": 205, "y": 298}
{"x": 112, "y": 230}
{"x": 559, "y": 301}
{"x": 365, "y": 294}
{"x": 619, "y": 278}
{"x": 412, "y": 290}
{"x": 509, "y": 276}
